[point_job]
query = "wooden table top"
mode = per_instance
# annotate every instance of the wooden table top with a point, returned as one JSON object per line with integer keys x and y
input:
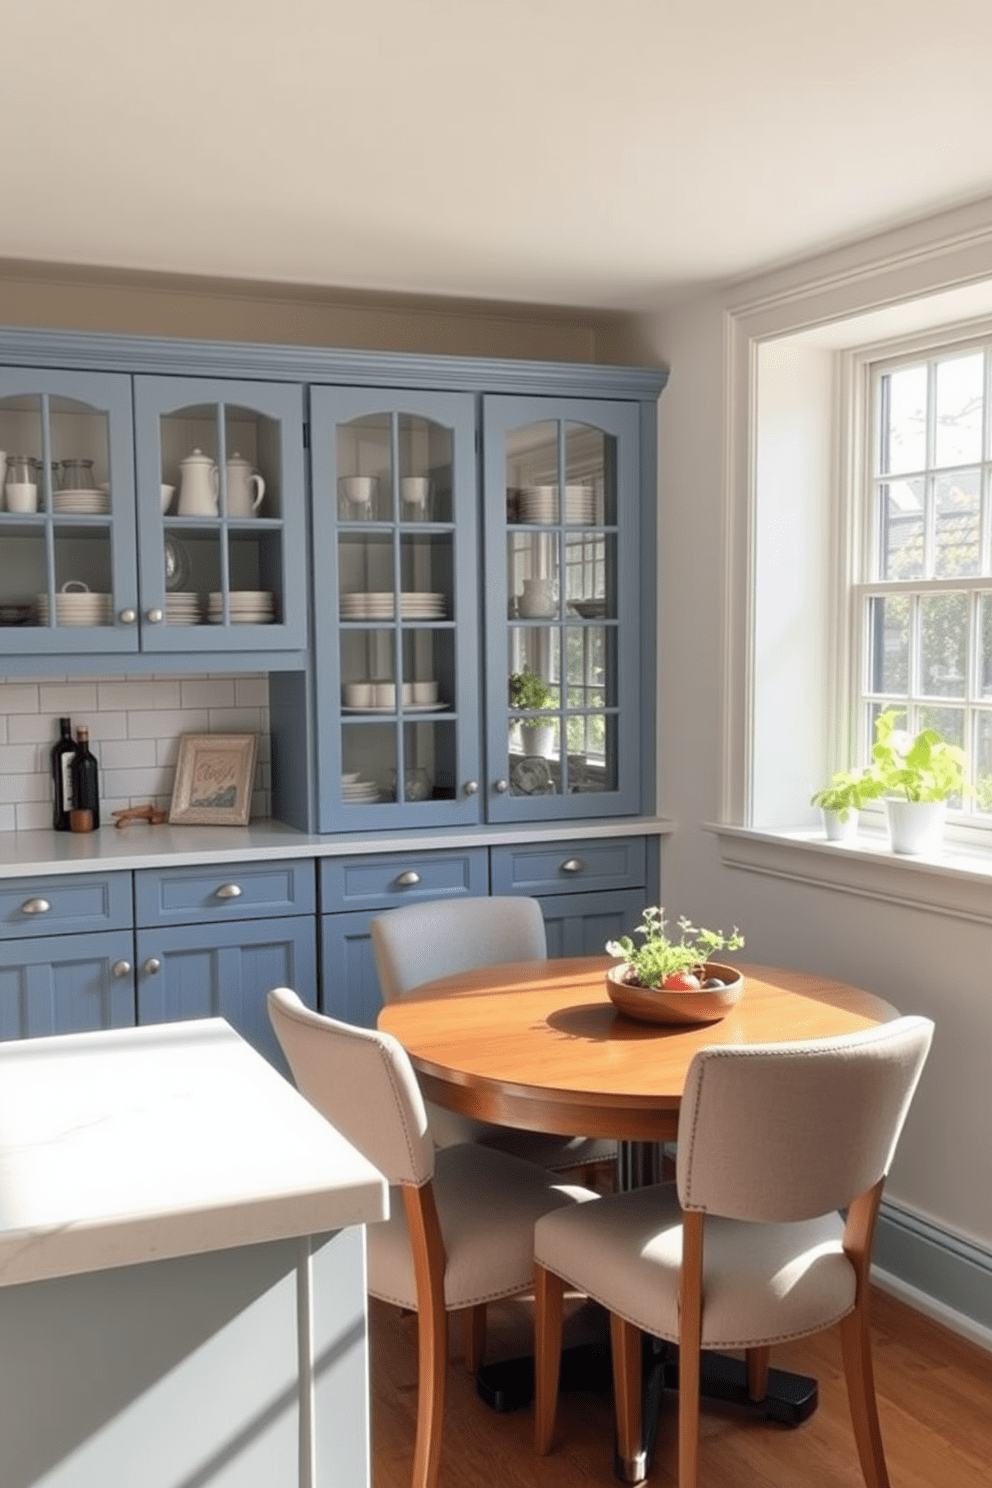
{"x": 539, "y": 1045}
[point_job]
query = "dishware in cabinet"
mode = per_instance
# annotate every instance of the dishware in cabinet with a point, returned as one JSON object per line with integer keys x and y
{"x": 396, "y": 596}
{"x": 222, "y": 534}
{"x": 563, "y": 539}
{"x": 68, "y": 573}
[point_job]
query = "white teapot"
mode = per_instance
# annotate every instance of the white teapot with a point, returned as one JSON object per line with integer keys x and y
{"x": 243, "y": 483}
{"x": 199, "y": 483}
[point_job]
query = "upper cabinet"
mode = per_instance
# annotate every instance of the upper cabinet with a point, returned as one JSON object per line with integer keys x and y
{"x": 68, "y": 576}
{"x": 150, "y": 514}
{"x": 563, "y": 550}
{"x": 396, "y": 608}
{"x": 222, "y": 536}
{"x": 413, "y": 670}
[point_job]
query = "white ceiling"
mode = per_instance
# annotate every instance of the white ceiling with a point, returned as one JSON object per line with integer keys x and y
{"x": 608, "y": 154}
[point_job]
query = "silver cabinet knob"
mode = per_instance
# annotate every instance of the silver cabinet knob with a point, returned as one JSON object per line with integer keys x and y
{"x": 501, "y": 787}
{"x": 128, "y": 617}
{"x": 154, "y": 617}
{"x": 229, "y": 891}
{"x": 573, "y": 865}
{"x": 153, "y": 965}
{"x": 121, "y": 968}
{"x": 408, "y": 879}
{"x": 471, "y": 787}
{"x": 35, "y": 906}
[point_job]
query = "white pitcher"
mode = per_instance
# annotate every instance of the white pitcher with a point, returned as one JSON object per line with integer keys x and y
{"x": 243, "y": 482}
{"x": 199, "y": 483}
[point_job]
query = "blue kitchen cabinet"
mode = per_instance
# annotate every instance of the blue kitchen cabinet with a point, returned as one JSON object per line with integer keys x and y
{"x": 66, "y": 984}
{"x": 228, "y": 576}
{"x": 226, "y": 971}
{"x": 396, "y": 565}
{"x": 581, "y": 924}
{"x": 566, "y": 526}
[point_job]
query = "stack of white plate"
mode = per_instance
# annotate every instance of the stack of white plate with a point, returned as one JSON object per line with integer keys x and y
{"x": 86, "y": 503}
{"x": 182, "y": 607}
{"x": 422, "y": 605}
{"x": 245, "y": 607}
{"x": 374, "y": 605}
{"x": 78, "y": 609}
{"x": 539, "y": 504}
{"x": 354, "y": 790}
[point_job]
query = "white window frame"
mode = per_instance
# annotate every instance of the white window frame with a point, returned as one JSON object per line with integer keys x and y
{"x": 860, "y": 379}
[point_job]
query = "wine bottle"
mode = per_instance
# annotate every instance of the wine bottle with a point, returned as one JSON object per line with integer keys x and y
{"x": 85, "y": 773}
{"x": 63, "y": 753}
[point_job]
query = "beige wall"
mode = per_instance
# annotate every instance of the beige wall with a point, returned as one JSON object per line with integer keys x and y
{"x": 67, "y": 298}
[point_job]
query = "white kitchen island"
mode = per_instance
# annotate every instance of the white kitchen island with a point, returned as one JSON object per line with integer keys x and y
{"x": 182, "y": 1269}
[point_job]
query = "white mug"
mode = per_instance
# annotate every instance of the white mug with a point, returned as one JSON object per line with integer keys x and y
{"x": 359, "y": 694}
{"x": 385, "y": 694}
{"x": 425, "y": 692}
{"x": 22, "y": 496}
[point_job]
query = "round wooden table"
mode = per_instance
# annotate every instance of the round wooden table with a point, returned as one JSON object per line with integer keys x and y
{"x": 539, "y": 1045}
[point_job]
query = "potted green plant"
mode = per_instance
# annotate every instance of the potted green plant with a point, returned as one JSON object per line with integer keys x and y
{"x": 664, "y": 979}
{"x": 916, "y": 775}
{"x": 529, "y": 691}
{"x": 841, "y": 801}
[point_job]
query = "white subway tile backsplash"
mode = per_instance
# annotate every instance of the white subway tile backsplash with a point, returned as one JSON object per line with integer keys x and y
{"x": 135, "y": 725}
{"x": 209, "y": 692}
{"x": 67, "y": 697}
{"x": 19, "y": 697}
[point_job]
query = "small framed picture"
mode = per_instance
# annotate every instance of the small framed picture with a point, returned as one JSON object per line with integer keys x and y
{"x": 214, "y": 778}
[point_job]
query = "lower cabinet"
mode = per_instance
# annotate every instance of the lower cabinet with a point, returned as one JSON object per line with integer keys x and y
{"x": 66, "y": 984}
{"x": 90, "y": 951}
{"x": 225, "y": 971}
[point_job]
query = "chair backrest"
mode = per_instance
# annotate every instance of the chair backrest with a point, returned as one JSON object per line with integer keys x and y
{"x": 422, "y": 942}
{"x": 362, "y": 1081}
{"x": 788, "y": 1131}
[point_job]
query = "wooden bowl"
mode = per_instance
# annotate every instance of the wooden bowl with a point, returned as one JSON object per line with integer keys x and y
{"x": 672, "y": 1005}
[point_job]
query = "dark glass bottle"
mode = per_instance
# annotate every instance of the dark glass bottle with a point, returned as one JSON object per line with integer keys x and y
{"x": 63, "y": 753}
{"x": 85, "y": 774}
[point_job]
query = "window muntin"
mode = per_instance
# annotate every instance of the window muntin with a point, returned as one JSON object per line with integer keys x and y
{"x": 924, "y": 608}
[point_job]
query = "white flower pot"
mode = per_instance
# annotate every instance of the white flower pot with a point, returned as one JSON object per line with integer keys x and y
{"x": 537, "y": 738}
{"x": 836, "y": 829}
{"x": 915, "y": 826}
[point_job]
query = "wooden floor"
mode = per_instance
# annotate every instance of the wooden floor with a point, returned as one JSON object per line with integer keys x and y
{"x": 935, "y": 1403}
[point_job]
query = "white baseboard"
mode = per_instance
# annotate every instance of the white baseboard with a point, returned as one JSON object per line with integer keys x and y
{"x": 941, "y": 1275}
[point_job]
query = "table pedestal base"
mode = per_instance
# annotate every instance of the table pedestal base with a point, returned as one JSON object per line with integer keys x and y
{"x": 508, "y": 1385}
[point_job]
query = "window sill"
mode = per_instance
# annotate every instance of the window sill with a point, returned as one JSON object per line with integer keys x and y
{"x": 956, "y": 883}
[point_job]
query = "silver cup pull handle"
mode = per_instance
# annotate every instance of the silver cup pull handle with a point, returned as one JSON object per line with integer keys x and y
{"x": 408, "y": 880}
{"x": 35, "y": 906}
{"x": 573, "y": 865}
{"x": 229, "y": 891}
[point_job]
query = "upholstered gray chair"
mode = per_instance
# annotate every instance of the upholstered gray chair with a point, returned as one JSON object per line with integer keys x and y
{"x": 437, "y": 938}
{"x": 461, "y": 1226}
{"x": 747, "y": 1247}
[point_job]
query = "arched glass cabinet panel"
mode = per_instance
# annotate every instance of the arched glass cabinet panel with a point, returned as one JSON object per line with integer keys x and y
{"x": 68, "y": 581}
{"x": 394, "y": 493}
{"x": 222, "y": 532}
{"x": 562, "y": 608}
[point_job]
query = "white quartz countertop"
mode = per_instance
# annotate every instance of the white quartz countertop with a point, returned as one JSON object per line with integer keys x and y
{"x": 23, "y": 854}
{"x": 140, "y": 1144}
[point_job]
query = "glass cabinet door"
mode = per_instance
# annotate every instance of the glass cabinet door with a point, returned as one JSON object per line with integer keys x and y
{"x": 68, "y": 577}
{"x": 221, "y": 503}
{"x": 396, "y": 607}
{"x": 562, "y": 566}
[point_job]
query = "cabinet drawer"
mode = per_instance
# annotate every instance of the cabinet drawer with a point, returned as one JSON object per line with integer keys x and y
{"x": 387, "y": 880}
{"x": 61, "y": 906}
{"x": 581, "y": 865}
{"x": 226, "y": 891}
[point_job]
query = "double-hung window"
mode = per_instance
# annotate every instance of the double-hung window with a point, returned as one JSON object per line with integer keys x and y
{"x": 923, "y": 603}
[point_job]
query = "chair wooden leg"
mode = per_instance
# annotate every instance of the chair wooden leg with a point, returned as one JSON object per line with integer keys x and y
{"x": 625, "y": 1346}
{"x": 758, "y": 1360}
{"x": 690, "y": 1334}
{"x": 432, "y": 1332}
{"x": 474, "y": 1336}
{"x": 860, "y": 1376}
{"x": 549, "y": 1307}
